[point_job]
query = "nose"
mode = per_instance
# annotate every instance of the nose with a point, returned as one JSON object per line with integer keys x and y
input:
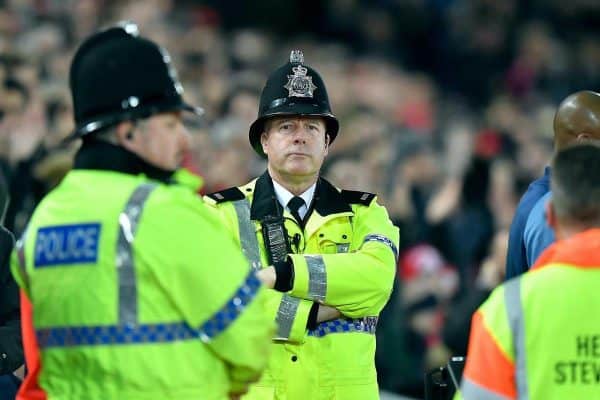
{"x": 301, "y": 134}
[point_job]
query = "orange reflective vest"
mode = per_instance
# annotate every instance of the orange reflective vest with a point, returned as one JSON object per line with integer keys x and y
{"x": 538, "y": 335}
{"x": 30, "y": 388}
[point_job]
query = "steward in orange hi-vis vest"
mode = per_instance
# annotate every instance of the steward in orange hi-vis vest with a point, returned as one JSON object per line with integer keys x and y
{"x": 538, "y": 335}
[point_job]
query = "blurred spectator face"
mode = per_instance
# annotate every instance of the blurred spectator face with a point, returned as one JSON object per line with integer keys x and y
{"x": 376, "y": 84}
{"x": 533, "y": 156}
{"x": 244, "y": 106}
{"x": 334, "y": 74}
{"x": 13, "y": 102}
{"x": 214, "y": 91}
{"x": 360, "y": 130}
{"x": 162, "y": 141}
{"x": 250, "y": 48}
{"x": 146, "y": 12}
{"x": 417, "y": 112}
{"x": 28, "y": 75}
{"x": 502, "y": 114}
{"x": 378, "y": 154}
{"x": 351, "y": 175}
{"x": 42, "y": 41}
{"x": 420, "y": 168}
{"x": 295, "y": 146}
{"x": 225, "y": 167}
{"x": 536, "y": 45}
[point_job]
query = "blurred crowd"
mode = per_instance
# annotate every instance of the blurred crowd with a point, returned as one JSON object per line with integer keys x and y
{"x": 445, "y": 107}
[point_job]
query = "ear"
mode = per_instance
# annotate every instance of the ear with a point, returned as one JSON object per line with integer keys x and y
{"x": 264, "y": 143}
{"x": 327, "y": 139}
{"x": 125, "y": 137}
{"x": 551, "y": 215}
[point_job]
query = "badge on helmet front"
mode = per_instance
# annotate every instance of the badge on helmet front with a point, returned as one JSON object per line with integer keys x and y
{"x": 299, "y": 84}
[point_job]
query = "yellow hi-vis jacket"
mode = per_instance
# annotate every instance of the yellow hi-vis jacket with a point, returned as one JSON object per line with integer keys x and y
{"x": 538, "y": 335}
{"x": 138, "y": 293}
{"x": 344, "y": 257}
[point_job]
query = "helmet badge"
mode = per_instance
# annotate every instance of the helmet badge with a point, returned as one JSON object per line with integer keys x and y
{"x": 299, "y": 84}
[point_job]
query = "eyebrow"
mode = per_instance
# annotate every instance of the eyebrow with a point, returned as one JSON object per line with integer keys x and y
{"x": 291, "y": 120}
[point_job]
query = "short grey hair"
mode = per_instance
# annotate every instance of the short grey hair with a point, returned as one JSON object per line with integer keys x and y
{"x": 576, "y": 185}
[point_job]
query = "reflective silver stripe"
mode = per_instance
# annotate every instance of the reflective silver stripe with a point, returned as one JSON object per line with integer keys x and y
{"x": 20, "y": 249}
{"x": 317, "y": 277}
{"x": 384, "y": 240}
{"x": 248, "y": 239}
{"x": 161, "y": 332}
{"x": 514, "y": 310}
{"x": 471, "y": 391}
{"x": 128, "y": 222}
{"x": 286, "y": 314}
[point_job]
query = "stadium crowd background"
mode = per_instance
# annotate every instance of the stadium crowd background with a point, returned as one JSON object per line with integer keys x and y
{"x": 445, "y": 106}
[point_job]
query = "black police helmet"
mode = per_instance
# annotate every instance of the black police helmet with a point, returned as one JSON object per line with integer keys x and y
{"x": 293, "y": 89}
{"x": 117, "y": 75}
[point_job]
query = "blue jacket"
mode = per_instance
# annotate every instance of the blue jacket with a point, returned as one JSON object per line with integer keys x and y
{"x": 537, "y": 234}
{"x": 516, "y": 257}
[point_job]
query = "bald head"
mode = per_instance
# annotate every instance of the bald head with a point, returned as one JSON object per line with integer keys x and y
{"x": 577, "y": 119}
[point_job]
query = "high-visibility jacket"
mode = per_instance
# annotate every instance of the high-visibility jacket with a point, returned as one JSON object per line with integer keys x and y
{"x": 538, "y": 335}
{"x": 138, "y": 293}
{"x": 344, "y": 257}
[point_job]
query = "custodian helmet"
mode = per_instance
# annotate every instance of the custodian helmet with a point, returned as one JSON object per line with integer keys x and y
{"x": 117, "y": 75}
{"x": 293, "y": 89}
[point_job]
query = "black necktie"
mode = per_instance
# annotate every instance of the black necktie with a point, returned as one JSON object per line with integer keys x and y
{"x": 294, "y": 205}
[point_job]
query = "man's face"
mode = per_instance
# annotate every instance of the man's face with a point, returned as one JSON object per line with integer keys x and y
{"x": 162, "y": 140}
{"x": 295, "y": 146}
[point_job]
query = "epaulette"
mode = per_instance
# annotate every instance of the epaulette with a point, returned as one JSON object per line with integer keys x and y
{"x": 230, "y": 194}
{"x": 354, "y": 197}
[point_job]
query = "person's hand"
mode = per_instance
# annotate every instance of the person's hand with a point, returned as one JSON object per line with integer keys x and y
{"x": 490, "y": 274}
{"x": 492, "y": 270}
{"x": 327, "y": 313}
{"x": 236, "y": 396}
{"x": 267, "y": 276}
{"x": 445, "y": 202}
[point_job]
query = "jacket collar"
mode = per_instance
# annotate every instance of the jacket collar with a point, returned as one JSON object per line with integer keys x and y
{"x": 264, "y": 201}
{"x": 581, "y": 250}
{"x": 327, "y": 200}
{"x": 100, "y": 155}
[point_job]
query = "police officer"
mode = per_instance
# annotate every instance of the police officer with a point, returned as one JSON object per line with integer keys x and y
{"x": 328, "y": 254}
{"x": 137, "y": 292}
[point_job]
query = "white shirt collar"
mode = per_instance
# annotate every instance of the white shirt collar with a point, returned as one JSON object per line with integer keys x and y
{"x": 284, "y": 196}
